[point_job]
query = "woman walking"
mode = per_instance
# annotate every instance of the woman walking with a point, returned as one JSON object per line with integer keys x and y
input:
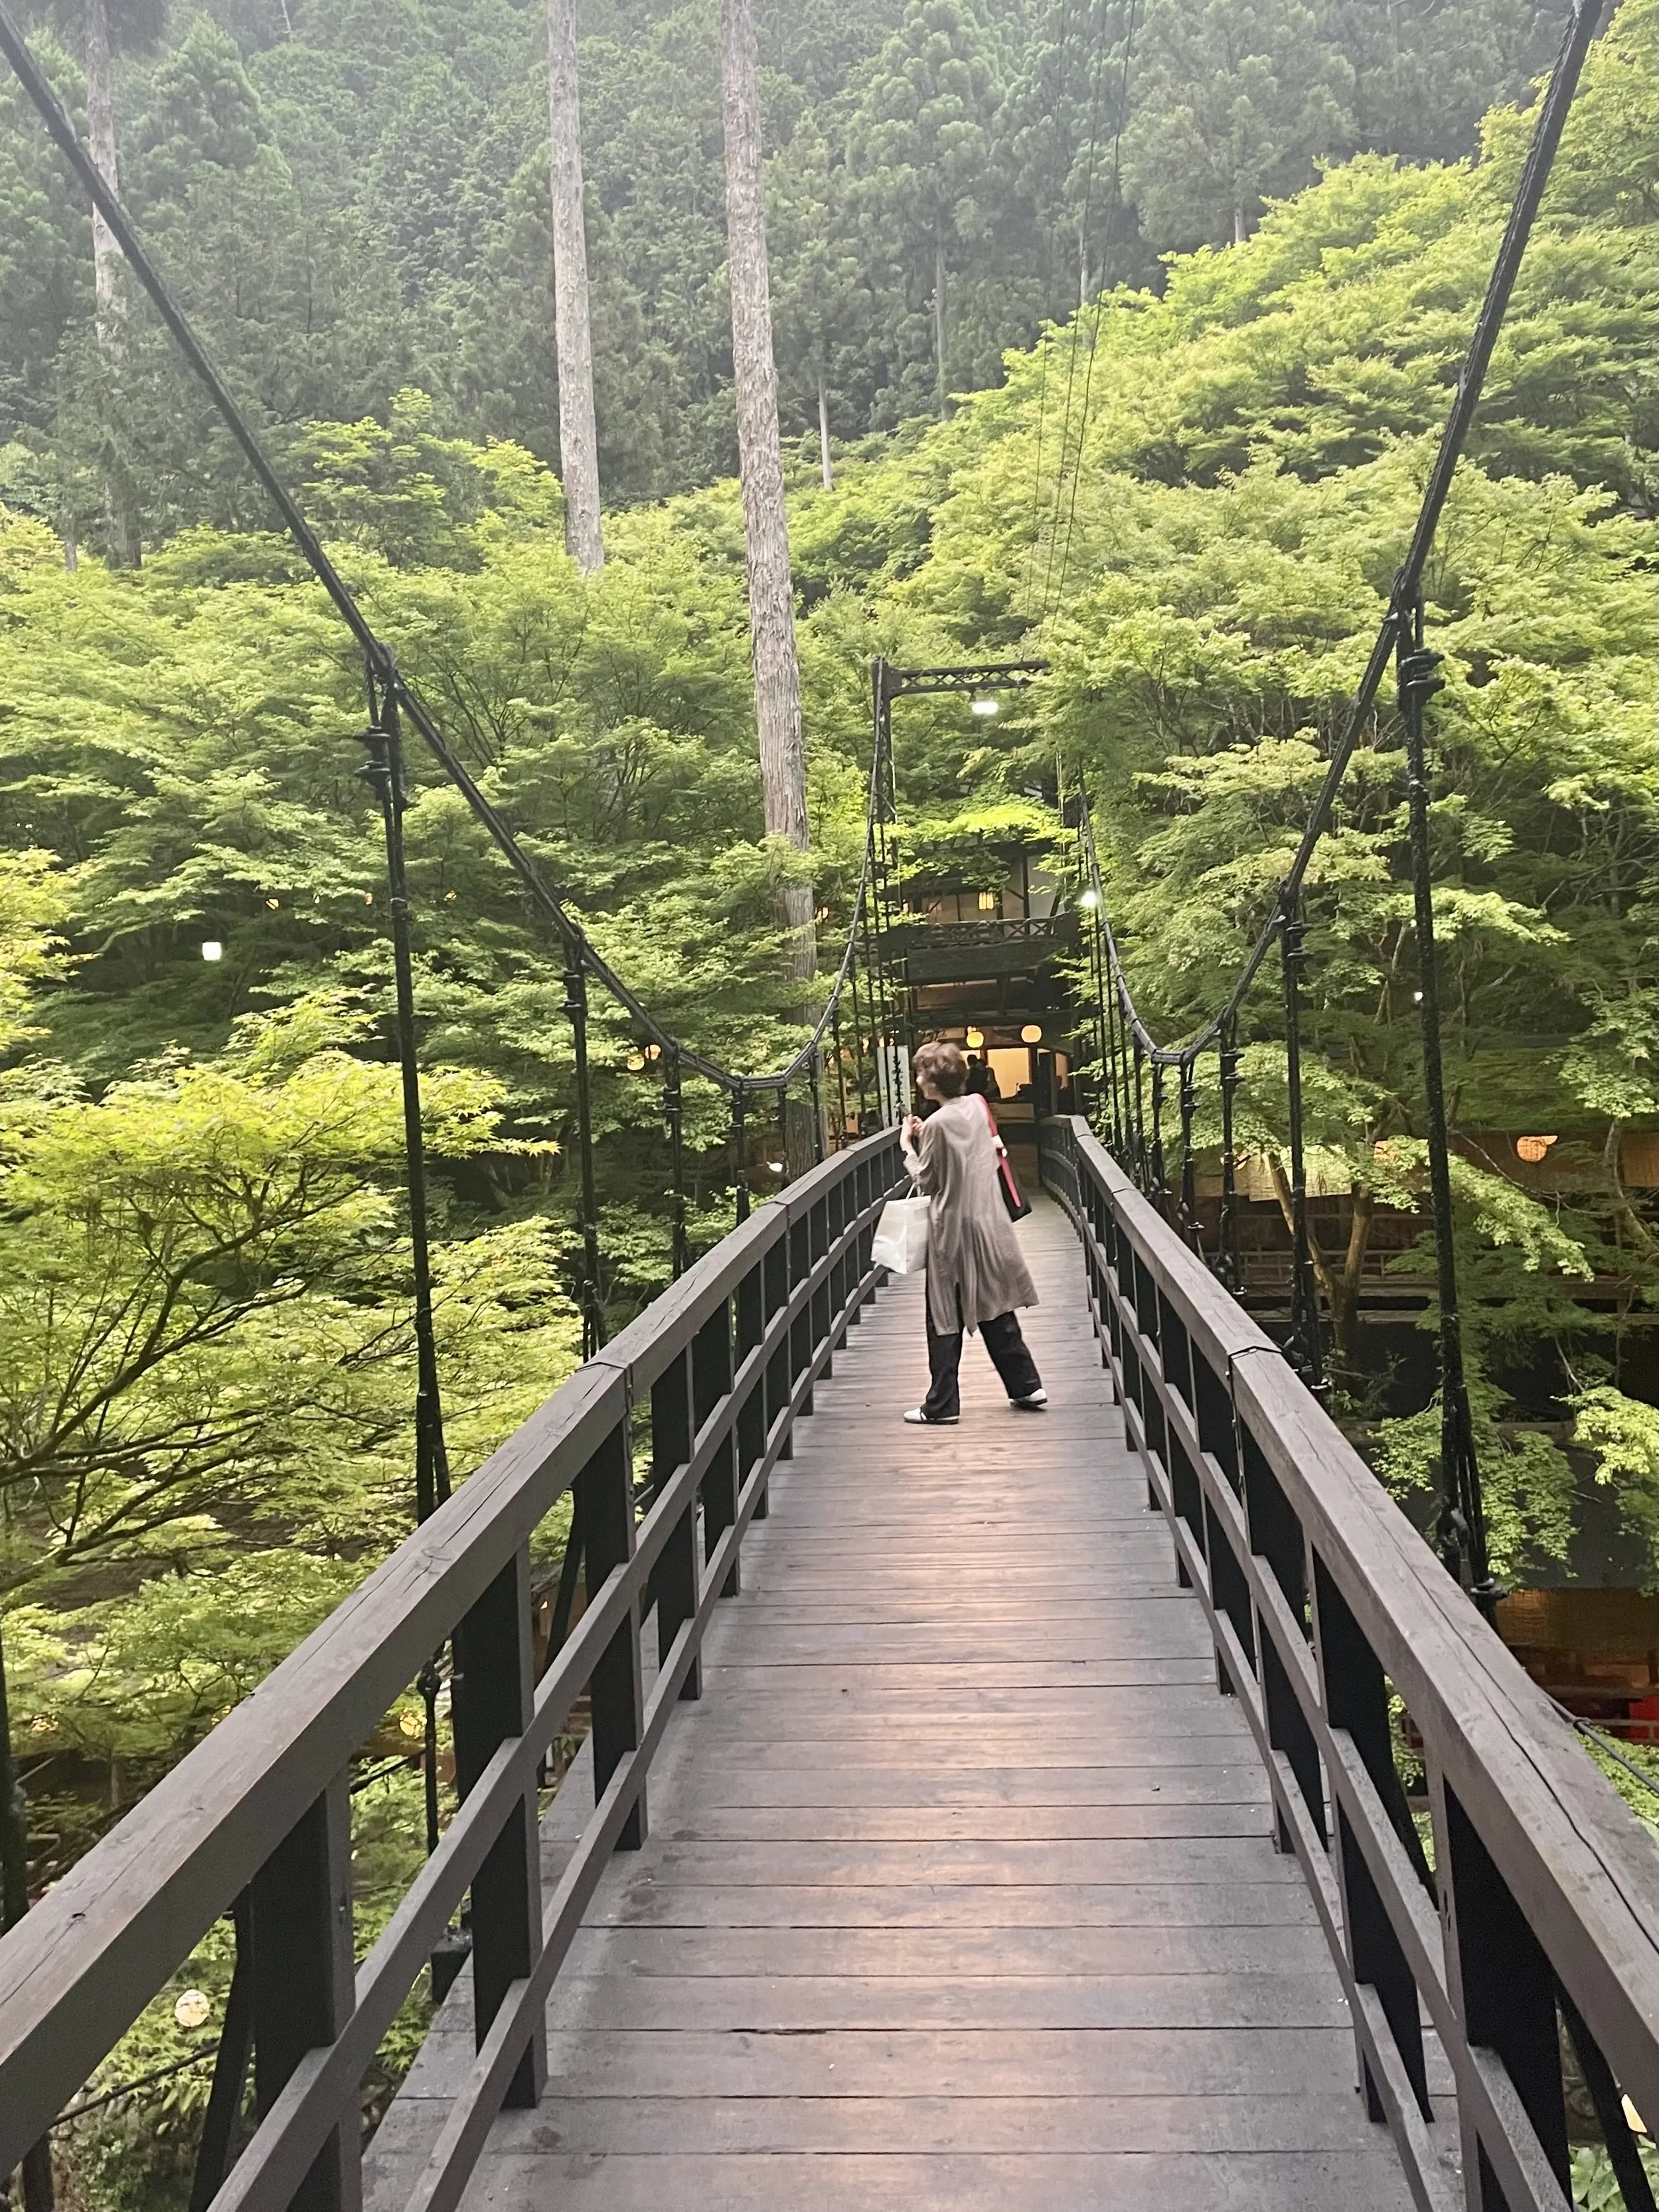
{"x": 975, "y": 1274}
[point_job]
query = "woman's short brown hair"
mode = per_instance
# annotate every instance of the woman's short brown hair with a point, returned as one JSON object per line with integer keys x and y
{"x": 942, "y": 1065}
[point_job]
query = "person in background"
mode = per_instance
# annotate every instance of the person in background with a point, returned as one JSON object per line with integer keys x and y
{"x": 976, "y": 1274}
{"x": 983, "y": 1079}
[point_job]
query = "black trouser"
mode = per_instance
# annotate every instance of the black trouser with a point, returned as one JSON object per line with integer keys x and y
{"x": 1009, "y": 1354}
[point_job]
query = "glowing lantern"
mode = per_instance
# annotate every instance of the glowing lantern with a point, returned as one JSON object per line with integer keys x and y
{"x": 1533, "y": 1149}
{"x": 1031, "y": 1034}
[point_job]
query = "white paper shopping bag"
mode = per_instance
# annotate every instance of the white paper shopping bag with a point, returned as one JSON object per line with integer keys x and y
{"x": 901, "y": 1238}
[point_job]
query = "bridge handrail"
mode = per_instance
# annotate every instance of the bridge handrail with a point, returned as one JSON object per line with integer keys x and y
{"x": 1322, "y": 1597}
{"x": 729, "y": 1357}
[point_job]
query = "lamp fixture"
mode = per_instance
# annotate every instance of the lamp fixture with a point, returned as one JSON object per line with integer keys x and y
{"x": 212, "y": 950}
{"x": 653, "y": 1052}
{"x": 191, "y": 2007}
{"x": 975, "y": 1040}
{"x": 776, "y": 1166}
{"x": 635, "y": 1062}
{"x": 1031, "y": 1034}
{"x": 1533, "y": 1149}
{"x": 986, "y": 707}
{"x": 1089, "y": 899}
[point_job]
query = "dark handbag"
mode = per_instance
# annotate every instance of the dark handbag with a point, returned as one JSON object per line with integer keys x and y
{"x": 1013, "y": 1197}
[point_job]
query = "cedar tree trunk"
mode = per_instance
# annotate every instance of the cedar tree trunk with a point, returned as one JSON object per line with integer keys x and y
{"x": 106, "y": 267}
{"x": 766, "y": 532}
{"x": 579, "y": 443}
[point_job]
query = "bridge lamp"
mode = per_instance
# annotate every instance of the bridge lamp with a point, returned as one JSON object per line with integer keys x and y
{"x": 635, "y": 1062}
{"x": 1090, "y": 899}
{"x": 212, "y": 950}
{"x": 975, "y": 1039}
{"x": 986, "y": 707}
{"x": 1031, "y": 1034}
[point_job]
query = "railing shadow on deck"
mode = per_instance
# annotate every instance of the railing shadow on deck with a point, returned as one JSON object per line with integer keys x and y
{"x": 258, "y": 1815}
{"x": 1539, "y": 1911}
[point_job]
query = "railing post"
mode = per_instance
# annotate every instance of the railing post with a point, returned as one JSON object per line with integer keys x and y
{"x": 674, "y": 1582}
{"x": 494, "y": 1693}
{"x": 818, "y": 1247}
{"x": 750, "y": 1318}
{"x": 1504, "y": 1992}
{"x": 1355, "y": 1691}
{"x": 775, "y": 1281}
{"x": 800, "y": 1332}
{"x": 617, "y": 1688}
{"x": 300, "y": 1921}
{"x": 711, "y": 1379}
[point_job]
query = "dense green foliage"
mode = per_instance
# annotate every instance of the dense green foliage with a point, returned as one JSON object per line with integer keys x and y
{"x": 353, "y": 198}
{"x": 1191, "y": 498}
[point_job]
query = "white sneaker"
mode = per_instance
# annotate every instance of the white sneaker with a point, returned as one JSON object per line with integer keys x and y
{"x": 1033, "y": 1404}
{"x": 918, "y": 1420}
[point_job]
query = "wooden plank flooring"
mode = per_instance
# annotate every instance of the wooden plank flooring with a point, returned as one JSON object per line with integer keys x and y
{"x": 960, "y": 1890}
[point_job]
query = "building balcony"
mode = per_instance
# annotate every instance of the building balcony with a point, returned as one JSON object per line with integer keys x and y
{"x": 963, "y": 951}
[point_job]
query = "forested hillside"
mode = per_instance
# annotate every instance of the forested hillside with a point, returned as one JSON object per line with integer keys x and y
{"x": 355, "y": 198}
{"x": 1189, "y": 496}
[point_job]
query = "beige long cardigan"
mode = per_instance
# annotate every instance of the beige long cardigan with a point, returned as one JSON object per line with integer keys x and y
{"x": 975, "y": 1267}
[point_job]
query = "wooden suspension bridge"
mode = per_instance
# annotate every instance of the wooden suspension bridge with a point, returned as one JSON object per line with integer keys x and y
{"x": 1005, "y": 1816}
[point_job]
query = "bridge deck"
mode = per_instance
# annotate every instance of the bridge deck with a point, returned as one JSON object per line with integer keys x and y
{"x": 960, "y": 1890}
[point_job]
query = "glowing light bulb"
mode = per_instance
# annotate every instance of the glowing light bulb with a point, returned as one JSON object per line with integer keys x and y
{"x": 1031, "y": 1034}
{"x": 975, "y": 1039}
{"x": 212, "y": 950}
{"x": 985, "y": 707}
{"x": 193, "y": 2008}
{"x": 1090, "y": 899}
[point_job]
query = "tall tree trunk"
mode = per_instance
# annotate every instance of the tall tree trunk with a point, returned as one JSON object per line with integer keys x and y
{"x": 578, "y": 441}
{"x": 766, "y": 531}
{"x": 939, "y": 323}
{"x": 1082, "y": 267}
{"x": 106, "y": 269}
{"x": 824, "y": 438}
{"x": 1240, "y": 229}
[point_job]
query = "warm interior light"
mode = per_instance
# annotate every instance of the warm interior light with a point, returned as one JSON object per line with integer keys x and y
{"x": 212, "y": 950}
{"x": 988, "y": 902}
{"x": 1533, "y": 1148}
{"x": 986, "y": 706}
{"x": 975, "y": 1039}
{"x": 1031, "y": 1034}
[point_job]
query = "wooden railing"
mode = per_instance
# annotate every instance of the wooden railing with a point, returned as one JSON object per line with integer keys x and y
{"x": 1526, "y": 1923}
{"x": 258, "y": 1816}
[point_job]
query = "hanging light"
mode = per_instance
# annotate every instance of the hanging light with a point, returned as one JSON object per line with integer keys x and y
{"x": 653, "y": 1052}
{"x": 635, "y": 1062}
{"x": 776, "y": 1166}
{"x": 975, "y": 1040}
{"x": 368, "y": 898}
{"x": 273, "y": 904}
{"x": 1031, "y": 1034}
{"x": 1089, "y": 899}
{"x": 211, "y": 948}
{"x": 985, "y": 707}
{"x": 1533, "y": 1149}
{"x": 191, "y": 2007}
